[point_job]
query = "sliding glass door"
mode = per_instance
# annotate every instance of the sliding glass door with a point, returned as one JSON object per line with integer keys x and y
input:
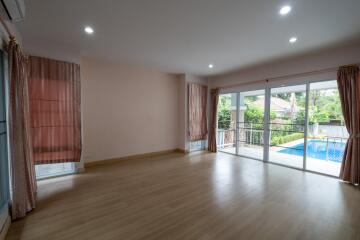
{"x": 4, "y": 167}
{"x": 226, "y": 134}
{"x": 327, "y": 134}
{"x": 250, "y": 124}
{"x": 299, "y": 126}
{"x": 287, "y": 125}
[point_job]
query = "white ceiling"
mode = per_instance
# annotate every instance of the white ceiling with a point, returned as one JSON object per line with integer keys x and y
{"x": 184, "y": 36}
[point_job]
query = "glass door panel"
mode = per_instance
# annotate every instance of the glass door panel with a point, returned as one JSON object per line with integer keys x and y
{"x": 226, "y": 130}
{"x": 4, "y": 167}
{"x": 287, "y": 125}
{"x": 327, "y": 134}
{"x": 250, "y": 124}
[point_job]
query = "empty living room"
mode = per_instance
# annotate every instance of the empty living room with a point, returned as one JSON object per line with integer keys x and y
{"x": 179, "y": 119}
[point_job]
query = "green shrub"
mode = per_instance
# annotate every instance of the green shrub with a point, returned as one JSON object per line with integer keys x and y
{"x": 278, "y": 140}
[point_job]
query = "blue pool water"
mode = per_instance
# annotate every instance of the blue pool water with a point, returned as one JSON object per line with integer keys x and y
{"x": 317, "y": 149}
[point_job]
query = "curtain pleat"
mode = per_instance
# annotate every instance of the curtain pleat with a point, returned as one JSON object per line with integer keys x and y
{"x": 214, "y": 100}
{"x": 349, "y": 90}
{"x": 197, "y": 112}
{"x": 55, "y": 110}
{"x": 22, "y": 166}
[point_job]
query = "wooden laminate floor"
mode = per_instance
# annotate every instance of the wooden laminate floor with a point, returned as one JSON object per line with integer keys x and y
{"x": 202, "y": 196}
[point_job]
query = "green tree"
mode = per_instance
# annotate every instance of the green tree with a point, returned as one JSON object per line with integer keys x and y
{"x": 300, "y": 117}
{"x": 300, "y": 99}
{"x": 256, "y": 115}
{"x": 284, "y": 96}
{"x": 224, "y": 113}
{"x": 324, "y": 105}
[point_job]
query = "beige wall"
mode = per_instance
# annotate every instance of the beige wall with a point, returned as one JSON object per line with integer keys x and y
{"x": 313, "y": 61}
{"x": 127, "y": 110}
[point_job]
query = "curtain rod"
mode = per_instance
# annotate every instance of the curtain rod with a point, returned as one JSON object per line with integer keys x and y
{"x": 288, "y": 76}
{"x": 11, "y": 36}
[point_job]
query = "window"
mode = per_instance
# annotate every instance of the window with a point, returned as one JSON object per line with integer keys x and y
{"x": 55, "y": 119}
{"x": 197, "y": 145}
{"x": 55, "y": 169}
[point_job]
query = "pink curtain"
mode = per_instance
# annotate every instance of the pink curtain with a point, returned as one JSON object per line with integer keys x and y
{"x": 55, "y": 110}
{"x": 349, "y": 89}
{"x": 214, "y": 100}
{"x": 22, "y": 165}
{"x": 197, "y": 112}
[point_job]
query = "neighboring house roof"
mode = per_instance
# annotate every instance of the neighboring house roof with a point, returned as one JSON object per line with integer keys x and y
{"x": 277, "y": 104}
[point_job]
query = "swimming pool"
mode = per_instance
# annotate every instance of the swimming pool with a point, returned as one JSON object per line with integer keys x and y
{"x": 317, "y": 149}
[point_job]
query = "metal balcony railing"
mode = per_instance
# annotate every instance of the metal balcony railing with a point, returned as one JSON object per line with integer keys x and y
{"x": 329, "y": 148}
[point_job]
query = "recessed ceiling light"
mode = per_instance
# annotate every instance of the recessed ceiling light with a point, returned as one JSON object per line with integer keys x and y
{"x": 211, "y": 66}
{"x": 285, "y": 10}
{"x": 89, "y": 30}
{"x": 293, "y": 40}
